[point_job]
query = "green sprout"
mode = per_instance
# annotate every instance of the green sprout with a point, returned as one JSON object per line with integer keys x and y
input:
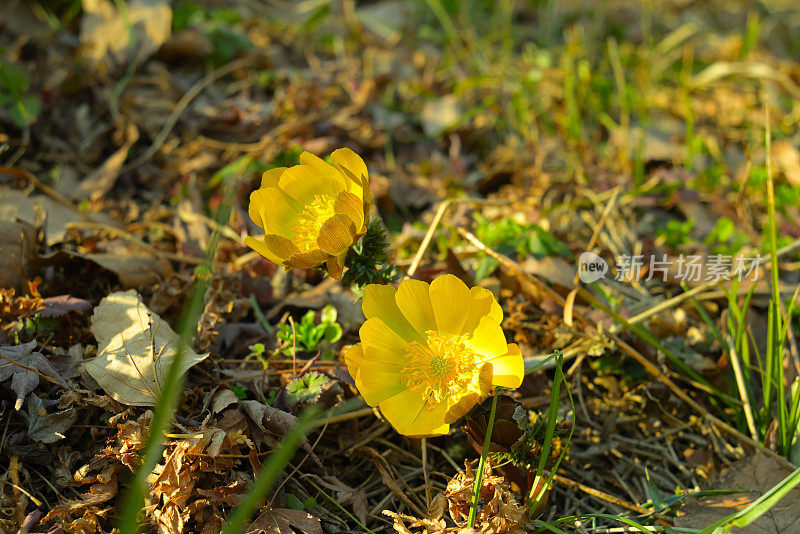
{"x": 307, "y": 336}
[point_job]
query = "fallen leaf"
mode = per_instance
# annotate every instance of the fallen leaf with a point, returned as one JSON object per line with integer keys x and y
{"x": 281, "y": 521}
{"x": 102, "y": 179}
{"x": 753, "y": 476}
{"x": 275, "y": 421}
{"x": 440, "y": 114}
{"x": 787, "y": 159}
{"x": 62, "y": 305}
{"x": 132, "y": 270}
{"x": 346, "y": 495}
{"x": 48, "y": 427}
{"x": 16, "y": 205}
{"x": 106, "y": 33}
{"x": 25, "y": 367}
{"x": 18, "y": 243}
{"x": 135, "y": 350}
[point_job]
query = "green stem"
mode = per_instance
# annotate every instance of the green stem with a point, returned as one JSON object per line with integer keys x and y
{"x": 473, "y": 507}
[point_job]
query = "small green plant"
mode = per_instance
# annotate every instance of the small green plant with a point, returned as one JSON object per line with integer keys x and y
{"x": 509, "y": 237}
{"x": 307, "y": 388}
{"x": 21, "y": 107}
{"x": 308, "y": 336}
{"x": 676, "y": 233}
{"x": 34, "y": 327}
{"x": 725, "y": 239}
{"x": 258, "y": 350}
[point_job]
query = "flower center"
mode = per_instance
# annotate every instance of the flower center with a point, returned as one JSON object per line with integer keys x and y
{"x": 314, "y": 215}
{"x": 443, "y": 368}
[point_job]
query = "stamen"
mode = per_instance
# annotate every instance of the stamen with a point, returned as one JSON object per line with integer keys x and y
{"x": 316, "y": 212}
{"x": 443, "y": 368}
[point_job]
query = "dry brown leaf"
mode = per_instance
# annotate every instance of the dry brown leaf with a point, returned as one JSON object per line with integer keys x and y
{"x": 135, "y": 349}
{"x": 132, "y": 270}
{"x": 18, "y": 243}
{"x": 281, "y": 521}
{"x": 48, "y": 427}
{"x": 106, "y": 33}
{"x": 25, "y": 368}
{"x": 755, "y": 475}
{"x": 102, "y": 179}
{"x": 787, "y": 159}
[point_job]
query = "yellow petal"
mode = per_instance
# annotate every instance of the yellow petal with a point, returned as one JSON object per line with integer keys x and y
{"x": 281, "y": 246}
{"x": 336, "y": 234}
{"x": 325, "y": 170}
{"x": 350, "y": 161}
{"x": 270, "y": 178}
{"x": 470, "y": 398}
{"x": 353, "y": 167}
{"x": 483, "y": 304}
{"x": 430, "y": 422}
{"x": 307, "y": 260}
{"x": 402, "y": 409}
{"x": 414, "y": 302}
{"x": 366, "y": 199}
{"x": 375, "y": 385}
{"x": 350, "y": 205}
{"x": 462, "y": 407}
{"x": 335, "y": 268}
{"x": 260, "y": 247}
{"x": 451, "y": 301}
{"x": 381, "y": 345}
{"x": 302, "y": 183}
{"x": 508, "y": 370}
{"x": 272, "y": 205}
{"x": 488, "y": 338}
{"x": 379, "y": 301}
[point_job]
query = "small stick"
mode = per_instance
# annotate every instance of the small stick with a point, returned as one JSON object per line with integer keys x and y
{"x": 616, "y": 501}
{"x": 428, "y": 236}
{"x": 424, "y": 445}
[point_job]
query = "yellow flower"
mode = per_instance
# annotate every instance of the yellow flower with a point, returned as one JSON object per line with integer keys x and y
{"x": 312, "y": 213}
{"x": 429, "y": 353}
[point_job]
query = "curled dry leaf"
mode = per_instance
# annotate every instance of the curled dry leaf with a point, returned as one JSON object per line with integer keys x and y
{"x": 285, "y": 521}
{"x": 135, "y": 350}
{"x": 48, "y": 427}
{"x": 25, "y": 368}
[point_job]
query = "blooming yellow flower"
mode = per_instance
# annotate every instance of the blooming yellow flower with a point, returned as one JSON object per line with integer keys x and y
{"x": 312, "y": 213}
{"x": 429, "y": 353}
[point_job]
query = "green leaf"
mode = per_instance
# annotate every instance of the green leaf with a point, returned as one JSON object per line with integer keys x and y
{"x": 328, "y": 314}
{"x": 307, "y": 388}
{"x": 13, "y": 79}
{"x": 24, "y": 111}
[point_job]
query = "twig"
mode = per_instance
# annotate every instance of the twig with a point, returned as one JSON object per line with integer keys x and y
{"x": 428, "y": 236}
{"x": 46, "y": 189}
{"x": 127, "y": 236}
{"x": 616, "y": 501}
{"x": 181, "y": 106}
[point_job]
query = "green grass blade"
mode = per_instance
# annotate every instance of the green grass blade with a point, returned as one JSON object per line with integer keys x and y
{"x": 476, "y": 489}
{"x": 133, "y": 500}
{"x": 269, "y": 473}
{"x": 758, "y": 507}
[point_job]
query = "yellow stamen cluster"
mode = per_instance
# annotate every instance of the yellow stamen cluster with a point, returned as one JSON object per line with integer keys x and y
{"x": 316, "y": 212}
{"x": 443, "y": 368}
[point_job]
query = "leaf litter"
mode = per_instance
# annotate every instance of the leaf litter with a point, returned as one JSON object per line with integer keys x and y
{"x": 221, "y": 94}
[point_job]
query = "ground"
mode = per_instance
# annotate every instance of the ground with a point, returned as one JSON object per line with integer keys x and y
{"x": 602, "y": 168}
